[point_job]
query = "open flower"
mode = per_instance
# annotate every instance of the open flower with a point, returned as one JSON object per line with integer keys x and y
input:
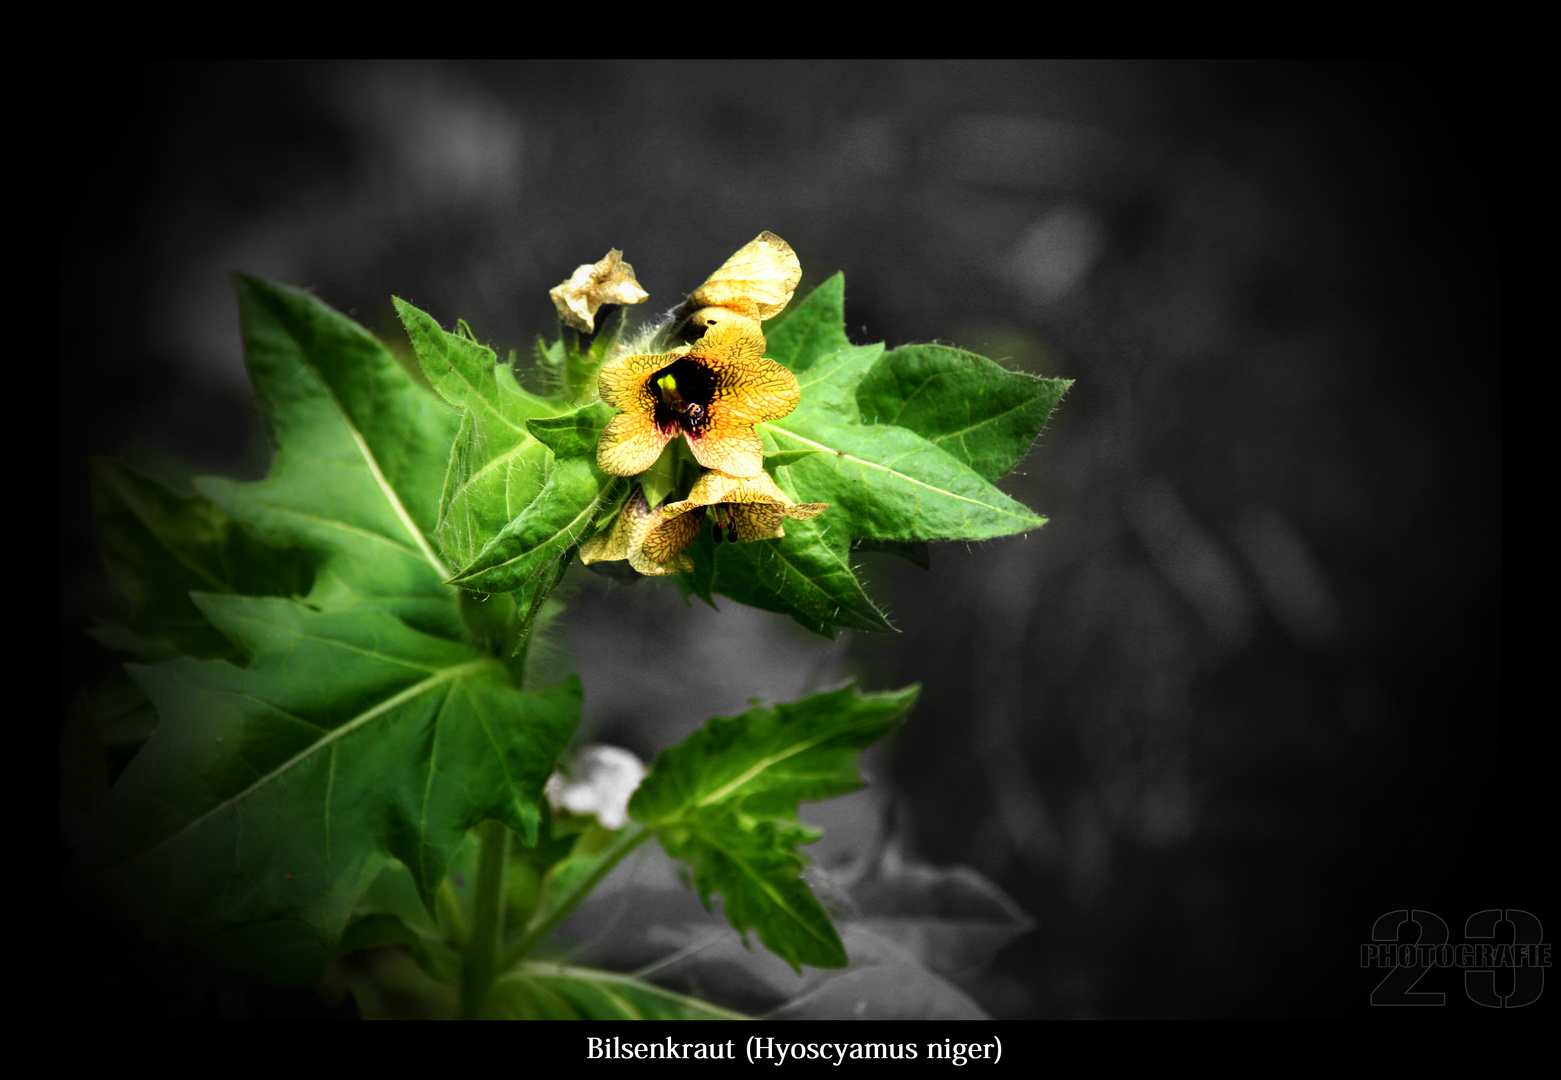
{"x": 712, "y": 393}
{"x": 610, "y": 281}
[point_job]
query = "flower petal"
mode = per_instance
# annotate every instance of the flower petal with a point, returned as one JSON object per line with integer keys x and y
{"x": 707, "y": 317}
{"x": 757, "y": 281}
{"x": 731, "y": 448}
{"x": 613, "y": 542}
{"x": 757, "y": 507}
{"x": 624, "y": 383}
{"x": 625, "y": 539}
{"x": 666, "y": 538}
{"x": 749, "y": 389}
{"x": 631, "y": 442}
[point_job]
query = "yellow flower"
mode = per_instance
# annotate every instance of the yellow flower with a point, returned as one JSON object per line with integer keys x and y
{"x": 744, "y": 508}
{"x": 639, "y": 535}
{"x": 712, "y": 393}
{"x": 610, "y": 281}
{"x": 653, "y": 540}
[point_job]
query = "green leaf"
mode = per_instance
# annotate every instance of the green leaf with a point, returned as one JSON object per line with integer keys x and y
{"x": 573, "y": 434}
{"x": 784, "y": 458}
{"x": 496, "y": 467}
{"x": 540, "y": 991}
{"x": 571, "y": 870}
{"x": 903, "y": 447}
{"x": 361, "y": 456}
{"x": 272, "y": 794}
{"x": 561, "y": 516}
{"x": 392, "y": 913}
{"x": 160, "y": 545}
{"x": 894, "y": 973}
{"x": 724, "y": 801}
{"x": 978, "y": 412}
{"x": 569, "y": 366}
{"x": 884, "y": 482}
{"x": 912, "y": 551}
{"x": 811, "y": 329}
{"x": 804, "y": 575}
{"x": 885, "y": 486}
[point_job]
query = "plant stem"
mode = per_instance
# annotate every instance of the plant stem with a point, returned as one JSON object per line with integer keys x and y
{"x": 477, "y": 960}
{"x": 450, "y": 915}
{"x": 547, "y": 918}
{"x": 490, "y": 620}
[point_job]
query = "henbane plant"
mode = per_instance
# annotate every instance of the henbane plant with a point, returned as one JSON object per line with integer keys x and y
{"x": 340, "y": 655}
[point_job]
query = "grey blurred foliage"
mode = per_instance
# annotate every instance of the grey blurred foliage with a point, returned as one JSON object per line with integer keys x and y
{"x": 1241, "y": 695}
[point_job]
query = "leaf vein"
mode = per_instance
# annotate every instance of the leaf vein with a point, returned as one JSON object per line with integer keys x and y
{"x": 894, "y": 472}
{"x": 369, "y": 459}
{"x": 329, "y": 739}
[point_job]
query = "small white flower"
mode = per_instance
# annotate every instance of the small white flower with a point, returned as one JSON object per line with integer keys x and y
{"x": 605, "y": 777}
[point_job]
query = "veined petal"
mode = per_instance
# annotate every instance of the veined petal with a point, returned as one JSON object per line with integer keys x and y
{"x": 748, "y": 389}
{"x": 729, "y": 447}
{"x": 612, "y": 543}
{"x": 626, "y": 538}
{"x": 624, "y": 383}
{"x": 750, "y": 507}
{"x": 757, "y": 281}
{"x": 631, "y": 442}
{"x": 708, "y": 317}
{"x": 665, "y": 539}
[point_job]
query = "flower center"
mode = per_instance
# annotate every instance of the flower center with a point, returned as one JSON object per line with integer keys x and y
{"x": 683, "y": 393}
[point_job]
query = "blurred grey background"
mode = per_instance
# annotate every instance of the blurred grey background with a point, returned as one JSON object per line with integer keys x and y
{"x": 1239, "y": 698}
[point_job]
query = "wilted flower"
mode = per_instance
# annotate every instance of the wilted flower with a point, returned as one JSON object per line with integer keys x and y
{"x": 610, "y": 281}
{"x": 712, "y": 392}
